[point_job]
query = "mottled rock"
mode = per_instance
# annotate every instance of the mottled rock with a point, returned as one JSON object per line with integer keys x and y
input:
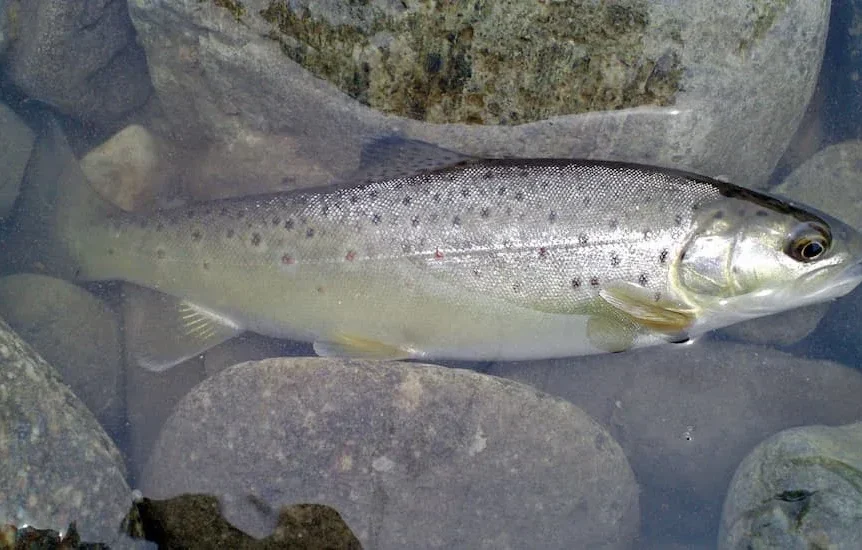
{"x": 800, "y": 489}
{"x": 831, "y": 180}
{"x": 224, "y": 69}
{"x": 75, "y": 332}
{"x": 411, "y": 456}
{"x": 126, "y": 168}
{"x": 686, "y": 415}
{"x": 58, "y": 465}
{"x": 16, "y": 142}
{"x": 81, "y": 57}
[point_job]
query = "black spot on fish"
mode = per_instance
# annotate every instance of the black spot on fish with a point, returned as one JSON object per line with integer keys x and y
{"x": 415, "y": 221}
{"x": 110, "y": 252}
{"x": 662, "y": 258}
{"x": 325, "y": 210}
{"x": 196, "y": 236}
{"x": 489, "y": 174}
{"x": 762, "y": 213}
{"x": 613, "y": 224}
{"x": 276, "y": 221}
{"x": 223, "y": 211}
{"x": 615, "y": 260}
{"x": 523, "y": 173}
{"x": 436, "y": 197}
{"x": 501, "y": 191}
{"x": 160, "y": 226}
{"x": 465, "y": 192}
{"x": 372, "y": 194}
{"x": 255, "y": 239}
{"x": 594, "y": 281}
{"x": 406, "y": 200}
{"x": 586, "y": 201}
{"x": 160, "y": 254}
{"x": 552, "y": 217}
{"x": 642, "y": 279}
{"x": 476, "y": 272}
{"x": 695, "y": 207}
{"x": 519, "y": 196}
{"x": 288, "y": 224}
{"x": 516, "y": 287}
{"x": 309, "y": 233}
{"x": 583, "y": 239}
{"x": 677, "y": 219}
{"x": 485, "y": 212}
{"x": 456, "y": 221}
{"x": 576, "y": 282}
{"x": 543, "y": 252}
{"x": 375, "y": 219}
{"x": 206, "y": 266}
{"x": 354, "y": 199}
{"x": 230, "y": 233}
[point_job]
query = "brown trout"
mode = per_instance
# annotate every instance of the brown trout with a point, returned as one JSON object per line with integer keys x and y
{"x": 478, "y": 260}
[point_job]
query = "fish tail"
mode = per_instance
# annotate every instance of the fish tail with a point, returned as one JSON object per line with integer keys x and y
{"x": 57, "y": 213}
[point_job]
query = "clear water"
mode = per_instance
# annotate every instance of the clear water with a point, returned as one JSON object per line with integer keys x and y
{"x": 689, "y": 415}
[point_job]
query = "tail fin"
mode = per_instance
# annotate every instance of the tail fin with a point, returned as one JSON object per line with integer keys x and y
{"x": 56, "y": 210}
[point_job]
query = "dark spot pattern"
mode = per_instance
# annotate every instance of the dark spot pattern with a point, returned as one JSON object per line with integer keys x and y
{"x": 552, "y": 217}
{"x": 615, "y": 260}
{"x": 465, "y": 192}
{"x": 287, "y": 259}
{"x": 662, "y": 258}
{"x": 160, "y": 226}
{"x": 160, "y": 254}
{"x": 614, "y": 223}
{"x": 415, "y": 221}
{"x": 309, "y": 233}
{"x": 677, "y": 219}
{"x": 594, "y": 281}
{"x": 230, "y": 233}
{"x": 196, "y": 236}
{"x": 762, "y": 213}
{"x": 375, "y": 219}
{"x": 642, "y": 279}
{"x": 456, "y": 221}
{"x": 256, "y": 239}
{"x": 543, "y": 252}
{"x": 519, "y": 196}
{"x": 288, "y": 224}
{"x": 583, "y": 239}
{"x": 206, "y": 266}
{"x": 576, "y": 282}
{"x": 276, "y": 221}
{"x": 406, "y": 201}
{"x": 485, "y": 212}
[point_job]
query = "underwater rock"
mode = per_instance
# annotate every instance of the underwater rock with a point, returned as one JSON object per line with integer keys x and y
{"x": 783, "y": 329}
{"x": 4, "y": 27}
{"x": 16, "y": 142}
{"x": 126, "y": 168}
{"x": 81, "y": 57}
{"x": 831, "y": 181}
{"x": 410, "y": 455}
{"x": 227, "y": 69}
{"x": 801, "y": 488}
{"x": 58, "y": 465}
{"x": 686, "y": 415}
{"x": 76, "y": 333}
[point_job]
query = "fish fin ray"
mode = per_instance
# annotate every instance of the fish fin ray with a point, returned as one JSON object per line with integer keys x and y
{"x": 666, "y": 316}
{"x": 392, "y": 157}
{"x": 357, "y": 347}
{"x": 163, "y": 331}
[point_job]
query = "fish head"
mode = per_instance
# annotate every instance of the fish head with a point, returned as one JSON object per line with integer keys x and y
{"x": 749, "y": 255}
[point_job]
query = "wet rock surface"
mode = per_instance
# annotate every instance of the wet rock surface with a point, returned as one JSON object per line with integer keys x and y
{"x": 410, "y": 455}
{"x": 16, "y": 142}
{"x": 58, "y": 465}
{"x": 687, "y": 415}
{"x": 79, "y": 56}
{"x": 76, "y": 333}
{"x": 249, "y": 85}
{"x": 801, "y": 488}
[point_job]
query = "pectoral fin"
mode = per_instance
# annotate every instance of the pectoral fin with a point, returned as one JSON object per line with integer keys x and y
{"x": 666, "y": 316}
{"x": 162, "y": 331}
{"x": 343, "y": 345}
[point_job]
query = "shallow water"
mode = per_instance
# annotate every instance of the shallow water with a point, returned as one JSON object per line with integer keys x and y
{"x": 639, "y": 447}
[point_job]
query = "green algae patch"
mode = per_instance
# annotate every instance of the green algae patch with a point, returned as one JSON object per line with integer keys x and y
{"x": 480, "y": 62}
{"x": 235, "y": 7}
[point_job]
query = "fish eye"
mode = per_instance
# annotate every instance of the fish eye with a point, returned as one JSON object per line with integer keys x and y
{"x": 808, "y": 242}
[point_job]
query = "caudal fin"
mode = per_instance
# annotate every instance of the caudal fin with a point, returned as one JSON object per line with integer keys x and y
{"x": 56, "y": 211}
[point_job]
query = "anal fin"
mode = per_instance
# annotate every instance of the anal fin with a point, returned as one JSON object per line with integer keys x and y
{"x": 356, "y": 347}
{"x": 162, "y": 331}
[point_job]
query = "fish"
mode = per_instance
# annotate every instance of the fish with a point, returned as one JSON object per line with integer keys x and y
{"x": 464, "y": 259}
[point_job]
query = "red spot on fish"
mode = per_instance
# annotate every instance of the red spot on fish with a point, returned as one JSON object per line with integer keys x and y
{"x": 437, "y": 254}
{"x": 286, "y": 260}
{"x": 350, "y": 256}
{"x": 543, "y": 252}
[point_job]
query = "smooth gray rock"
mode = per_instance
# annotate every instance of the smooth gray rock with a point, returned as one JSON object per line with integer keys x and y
{"x": 831, "y": 181}
{"x": 75, "y": 332}
{"x": 410, "y": 455}
{"x": 16, "y": 142}
{"x": 800, "y": 489}
{"x": 81, "y": 57}
{"x": 686, "y": 415}
{"x": 58, "y": 465}
{"x": 747, "y": 77}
